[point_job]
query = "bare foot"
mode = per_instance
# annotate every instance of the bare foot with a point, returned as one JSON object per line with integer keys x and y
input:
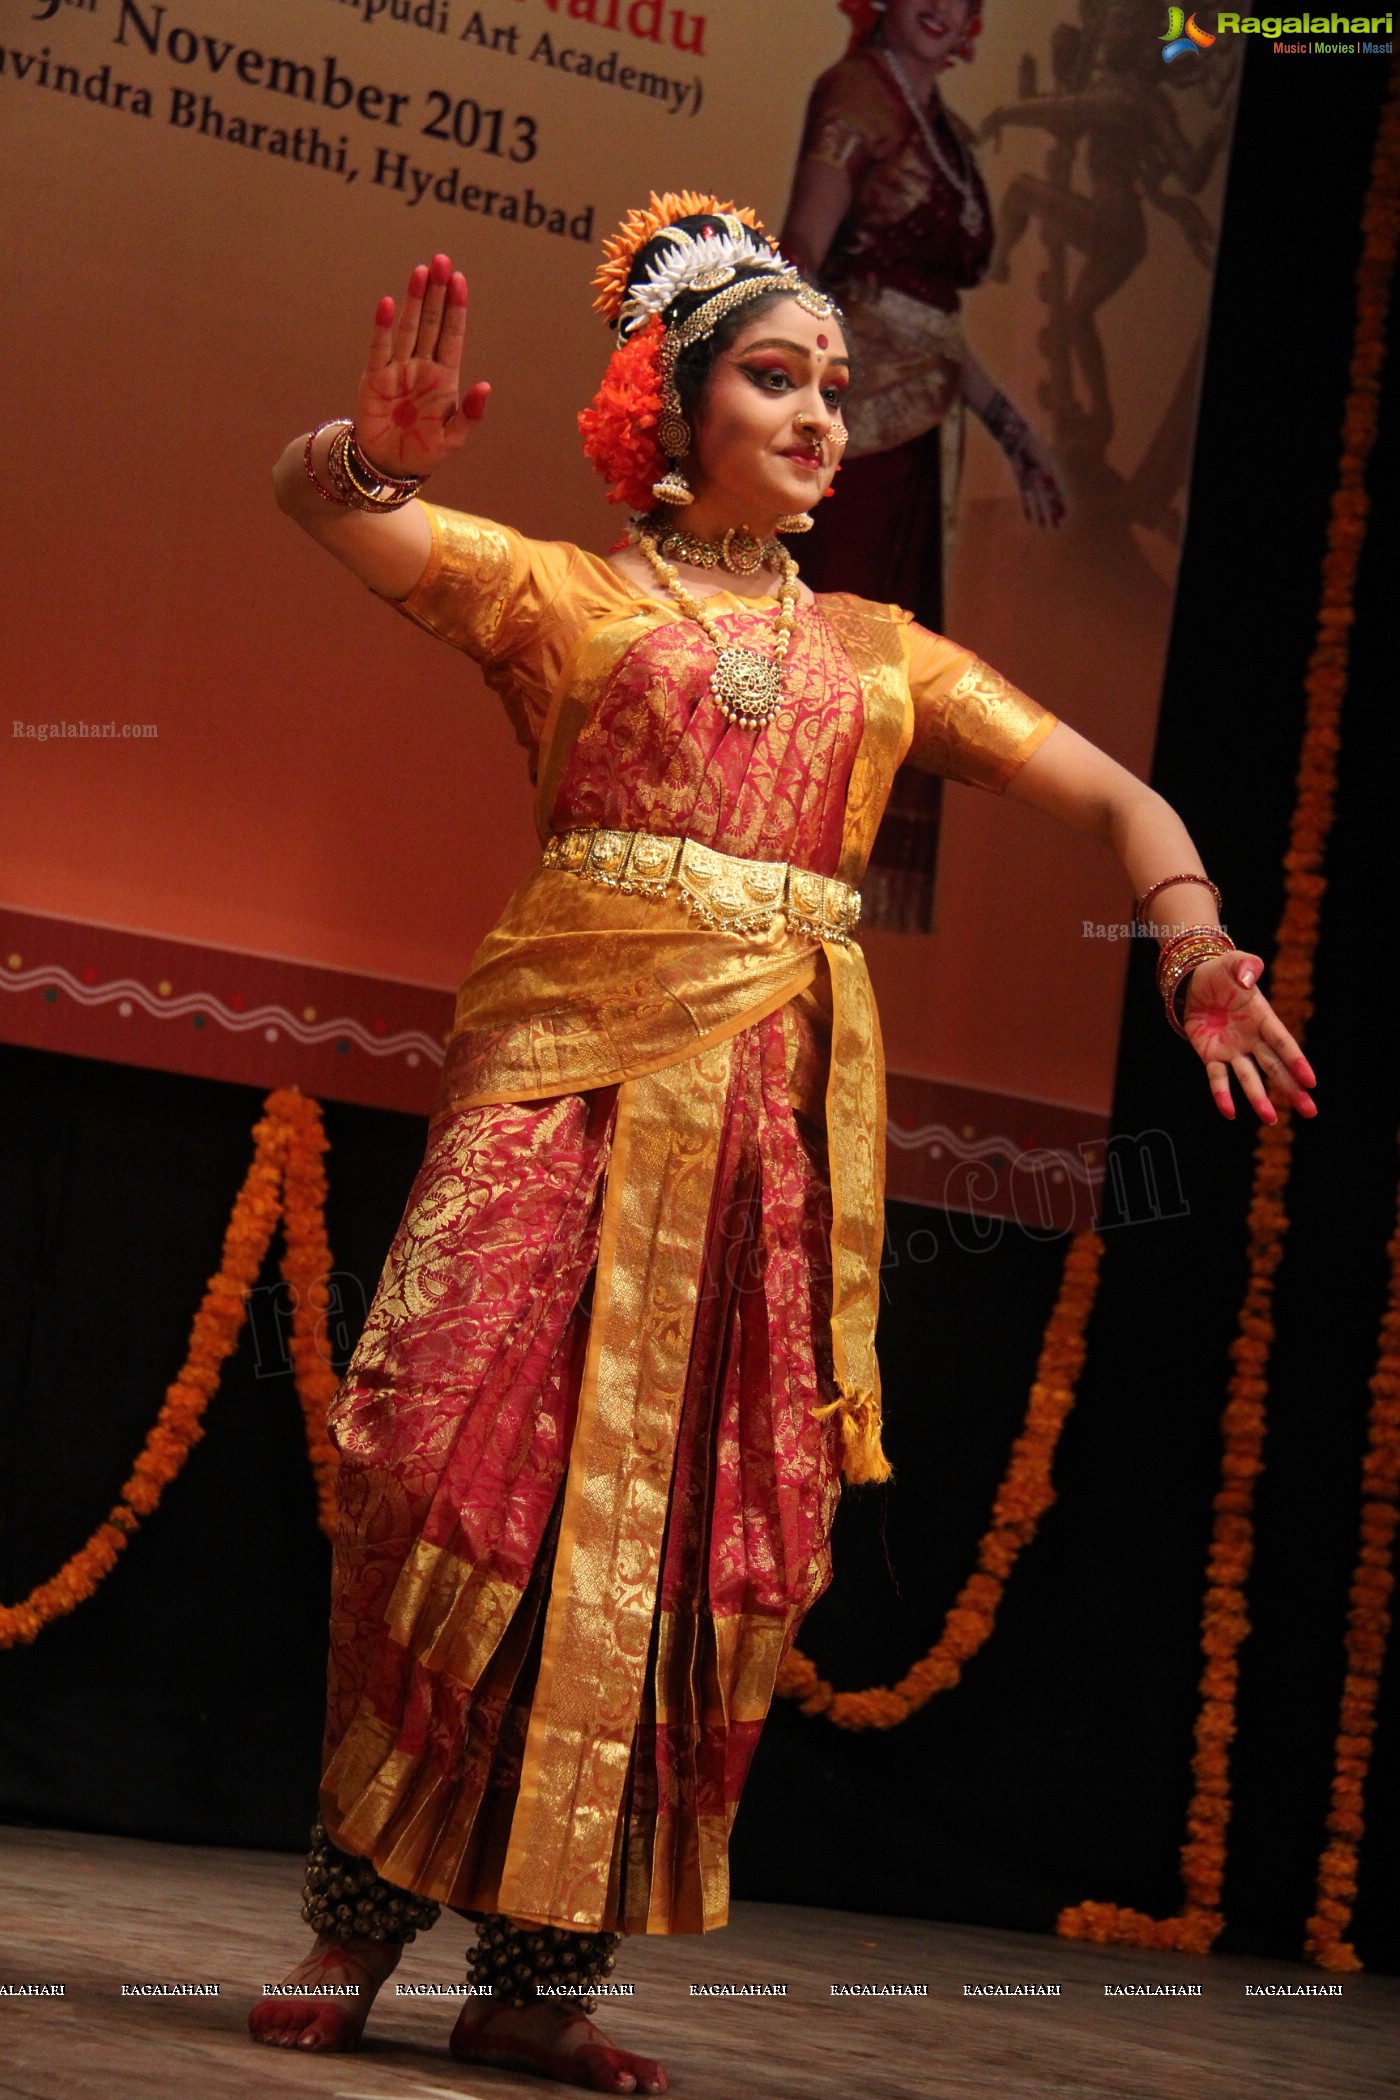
{"x": 555, "y": 2042}
{"x": 331, "y": 2022}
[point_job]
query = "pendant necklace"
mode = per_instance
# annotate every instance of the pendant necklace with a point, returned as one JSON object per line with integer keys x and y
{"x": 970, "y": 214}
{"x": 747, "y": 686}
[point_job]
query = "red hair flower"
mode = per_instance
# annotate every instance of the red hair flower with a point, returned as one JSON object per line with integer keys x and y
{"x": 619, "y": 425}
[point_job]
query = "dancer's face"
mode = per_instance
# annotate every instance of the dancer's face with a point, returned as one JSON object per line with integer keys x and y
{"x": 769, "y": 433}
{"x": 929, "y": 30}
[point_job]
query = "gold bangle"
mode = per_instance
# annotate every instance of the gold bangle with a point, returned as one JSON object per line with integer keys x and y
{"x": 350, "y": 491}
{"x": 370, "y": 481}
{"x": 1186, "y": 954}
{"x": 1190, "y": 952}
{"x": 1183, "y": 936}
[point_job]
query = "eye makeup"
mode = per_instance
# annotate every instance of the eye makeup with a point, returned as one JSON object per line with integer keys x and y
{"x": 767, "y": 361}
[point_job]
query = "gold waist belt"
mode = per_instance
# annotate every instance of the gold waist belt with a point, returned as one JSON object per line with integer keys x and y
{"x": 735, "y": 895}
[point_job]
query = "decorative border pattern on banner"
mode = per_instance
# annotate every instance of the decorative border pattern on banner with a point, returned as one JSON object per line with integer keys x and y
{"x": 1000, "y": 1156}
{"x": 219, "y": 1013}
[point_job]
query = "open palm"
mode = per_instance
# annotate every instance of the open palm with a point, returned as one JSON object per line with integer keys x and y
{"x": 408, "y": 415}
{"x": 1232, "y": 1028}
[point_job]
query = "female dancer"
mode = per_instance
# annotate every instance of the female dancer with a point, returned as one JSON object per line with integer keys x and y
{"x": 623, "y": 1345}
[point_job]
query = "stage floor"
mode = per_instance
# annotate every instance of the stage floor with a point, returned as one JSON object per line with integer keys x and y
{"x": 94, "y": 1913}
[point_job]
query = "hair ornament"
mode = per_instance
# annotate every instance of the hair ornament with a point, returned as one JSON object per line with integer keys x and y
{"x": 696, "y": 263}
{"x": 621, "y": 249}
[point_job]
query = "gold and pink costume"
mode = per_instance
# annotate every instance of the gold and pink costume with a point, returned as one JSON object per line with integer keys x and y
{"x": 586, "y": 1499}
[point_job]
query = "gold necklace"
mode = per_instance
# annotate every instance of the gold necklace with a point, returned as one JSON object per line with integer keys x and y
{"x": 740, "y": 551}
{"x": 747, "y": 687}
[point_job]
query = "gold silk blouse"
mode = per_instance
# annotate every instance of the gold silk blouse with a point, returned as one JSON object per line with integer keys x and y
{"x": 520, "y": 608}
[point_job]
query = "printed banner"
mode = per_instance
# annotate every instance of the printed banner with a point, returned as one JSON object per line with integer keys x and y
{"x": 220, "y": 742}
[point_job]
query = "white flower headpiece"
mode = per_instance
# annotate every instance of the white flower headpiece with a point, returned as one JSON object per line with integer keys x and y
{"x": 696, "y": 264}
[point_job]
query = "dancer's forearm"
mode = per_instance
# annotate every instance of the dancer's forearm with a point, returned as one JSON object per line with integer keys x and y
{"x": 1071, "y": 779}
{"x": 388, "y": 552}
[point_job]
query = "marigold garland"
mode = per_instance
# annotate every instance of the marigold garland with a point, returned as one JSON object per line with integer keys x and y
{"x": 1025, "y": 1494}
{"x": 286, "y": 1180}
{"x": 1368, "y": 1623}
{"x": 1225, "y": 1620}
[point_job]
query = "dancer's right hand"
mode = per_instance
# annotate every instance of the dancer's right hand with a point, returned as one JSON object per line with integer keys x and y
{"x": 408, "y": 414}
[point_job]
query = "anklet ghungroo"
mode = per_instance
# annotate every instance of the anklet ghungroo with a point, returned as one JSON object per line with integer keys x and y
{"x": 527, "y": 1964}
{"x": 344, "y": 1897}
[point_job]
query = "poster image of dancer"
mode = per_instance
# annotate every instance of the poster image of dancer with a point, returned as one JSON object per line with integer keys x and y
{"x": 1117, "y": 144}
{"x": 890, "y": 210}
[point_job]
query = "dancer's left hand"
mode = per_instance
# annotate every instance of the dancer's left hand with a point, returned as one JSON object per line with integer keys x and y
{"x": 1232, "y": 1028}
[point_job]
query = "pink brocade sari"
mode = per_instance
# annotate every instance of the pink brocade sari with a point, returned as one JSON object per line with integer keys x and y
{"x": 456, "y": 1417}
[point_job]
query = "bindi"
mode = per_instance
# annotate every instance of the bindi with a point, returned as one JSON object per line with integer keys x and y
{"x": 821, "y": 342}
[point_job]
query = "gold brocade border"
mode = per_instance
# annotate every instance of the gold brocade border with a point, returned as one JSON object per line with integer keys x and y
{"x": 712, "y": 1675}
{"x": 855, "y": 1116}
{"x": 744, "y": 1012}
{"x": 748, "y": 1650}
{"x": 449, "y": 1614}
{"x": 685, "y": 1878}
{"x": 603, "y": 1600}
{"x": 875, "y": 642}
{"x": 419, "y": 1805}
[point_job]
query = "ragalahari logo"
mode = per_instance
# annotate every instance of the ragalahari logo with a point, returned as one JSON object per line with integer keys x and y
{"x": 1183, "y": 34}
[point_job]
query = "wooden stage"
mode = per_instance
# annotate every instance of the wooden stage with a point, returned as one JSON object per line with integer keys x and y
{"x": 93, "y": 1914}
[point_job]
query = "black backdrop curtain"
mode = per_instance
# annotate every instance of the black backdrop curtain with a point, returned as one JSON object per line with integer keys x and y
{"x": 184, "y": 1700}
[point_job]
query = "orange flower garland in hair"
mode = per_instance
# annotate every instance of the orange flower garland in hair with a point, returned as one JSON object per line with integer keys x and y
{"x": 1368, "y": 1623}
{"x": 1022, "y": 1500}
{"x": 1225, "y": 1620}
{"x": 284, "y": 1180}
{"x": 619, "y": 427}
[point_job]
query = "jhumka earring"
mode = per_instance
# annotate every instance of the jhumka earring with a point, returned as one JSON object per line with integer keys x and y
{"x": 673, "y": 436}
{"x": 799, "y": 521}
{"x": 673, "y": 489}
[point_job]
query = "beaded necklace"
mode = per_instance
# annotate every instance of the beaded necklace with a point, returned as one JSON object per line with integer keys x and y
{"x": 747, "y": 687}
{"x": 969, "y": 211}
